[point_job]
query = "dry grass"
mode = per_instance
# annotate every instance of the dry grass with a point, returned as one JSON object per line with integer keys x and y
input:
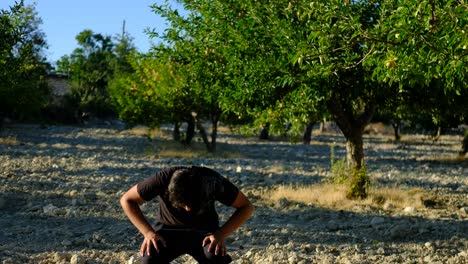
{"x": 9, "y": 141}
{"x": 334, "y": 197}
{"x": 148, "y": 132}
{"x": 224, "y": 129}
{"x": 173, "y": 149}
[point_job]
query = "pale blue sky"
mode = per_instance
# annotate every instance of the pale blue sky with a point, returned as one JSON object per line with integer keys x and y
{"x": 64, "y": 19}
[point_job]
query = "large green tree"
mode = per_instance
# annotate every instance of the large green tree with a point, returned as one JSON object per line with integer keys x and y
{"x": 347, "y": 57}
{"x": 23, "y": 68}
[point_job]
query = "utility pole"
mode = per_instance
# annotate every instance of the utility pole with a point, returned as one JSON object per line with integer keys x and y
{"x": 123, "y": 30}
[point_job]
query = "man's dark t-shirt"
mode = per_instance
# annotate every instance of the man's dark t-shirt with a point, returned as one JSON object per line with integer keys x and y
{"x": 214, "y": 188}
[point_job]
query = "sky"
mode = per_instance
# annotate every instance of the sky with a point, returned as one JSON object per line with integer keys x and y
{"x": 64, "y": 19}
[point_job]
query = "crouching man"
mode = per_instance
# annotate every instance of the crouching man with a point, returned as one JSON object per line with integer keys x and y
{"x": 187, "y": 222}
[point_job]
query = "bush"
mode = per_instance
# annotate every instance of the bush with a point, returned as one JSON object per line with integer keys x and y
{"x": 357, "y": 179}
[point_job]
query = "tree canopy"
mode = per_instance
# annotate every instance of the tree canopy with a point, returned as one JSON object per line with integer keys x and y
{"x": 299, "y": 61}
{"x": 93, "y": 66}
{"x": 23, "y": 67}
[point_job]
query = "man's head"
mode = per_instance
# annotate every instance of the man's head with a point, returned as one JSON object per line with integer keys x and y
{"x": 185, "y": 190}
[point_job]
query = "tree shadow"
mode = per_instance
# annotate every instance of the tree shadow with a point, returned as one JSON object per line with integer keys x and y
{"x": 309, "y": 225}
{"x": 29, "y": 227}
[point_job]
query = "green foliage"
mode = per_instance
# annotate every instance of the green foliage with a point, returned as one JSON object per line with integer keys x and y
{"x": 23, "y": 90}
{"x": 424, "y": 40}
{"x": 356, "y": 178}
{"x": 358, "y": 183}
{"x": 301, "y": 61}
{"x": 297, "y": 62}
{"x": 338, "y": 168}
{"x": 90, "y": 73}
{"x": 151, "y": 95}
{"x": 92, "y": 67}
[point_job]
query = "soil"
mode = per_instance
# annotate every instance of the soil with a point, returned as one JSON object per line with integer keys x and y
{"x": 60, "y": 188}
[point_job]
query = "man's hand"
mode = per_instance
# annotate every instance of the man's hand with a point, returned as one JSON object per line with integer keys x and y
{"x": 130, "y": 202}
{"x": 151, "y": 239}
{"x": 216, "y": 242}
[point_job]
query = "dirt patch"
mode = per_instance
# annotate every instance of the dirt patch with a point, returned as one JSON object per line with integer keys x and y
{"x": 60, "y": 187}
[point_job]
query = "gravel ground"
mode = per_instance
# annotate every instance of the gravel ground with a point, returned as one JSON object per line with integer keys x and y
{"x": 60, "y": 187}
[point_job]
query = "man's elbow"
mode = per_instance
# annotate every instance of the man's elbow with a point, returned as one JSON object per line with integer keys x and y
{"x": 125, "y": 201}
{"x": 249, "y": 208}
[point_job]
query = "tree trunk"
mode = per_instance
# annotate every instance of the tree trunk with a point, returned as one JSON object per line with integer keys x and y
{"x": 354, "y": 150}
{"x": 204, "y": 136}
{"x": 464, "y": 144}
{"x": 396, "y": 130}
{"x": 352, "y": 125}
{"x": 214, "y": 134}
{"x": 265, "y": 132}
{"x": 176, "y": 132}
{"x": 307, "y": 134}
{"x": 190, "y": 130}
{"x": 322, "y": 127}
{"x": 437, "y": 134}
{"x": 210, "y": 146}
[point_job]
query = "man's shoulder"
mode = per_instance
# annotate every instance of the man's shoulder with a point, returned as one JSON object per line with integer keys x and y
{"x": 169, "y": 171}
{"x": 204, "y": 171}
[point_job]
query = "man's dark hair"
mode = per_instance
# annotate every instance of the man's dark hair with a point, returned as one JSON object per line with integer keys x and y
{"x": 185, "y": 189}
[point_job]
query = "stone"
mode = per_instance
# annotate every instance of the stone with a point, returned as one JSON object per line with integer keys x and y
{"x": 376, "y": 221}
{"x": 60, "y": 256}
{"x": 399, "y": 231}
{"x": 53, "y": 210}
{"x": 66, "y": 243}
{"x": 381, "y": 251}
{"x": 292, "y": 259}
{"x": 77, "y": 259}
{"x": 428, "y": 244}
{"x": 131, "y": 260}
{"x": 463, "y": 210}
{"x": 409, "y": 210}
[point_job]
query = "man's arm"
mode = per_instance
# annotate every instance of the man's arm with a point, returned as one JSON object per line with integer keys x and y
{"x": 244, "y": 209}
{"x": 130, "y": 203}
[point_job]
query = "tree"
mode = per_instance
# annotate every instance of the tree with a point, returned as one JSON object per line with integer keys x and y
{"x": 201, "y": 64}
{"x": 124, "y": 49}
{"x": 147, "y": 96}
{"x": 426, "y": 53}
{"x": 23, "y": 68}
{"x": 90, "y": 68}
{"x": 272, "y": 62}
{"x": 342, "y": 56}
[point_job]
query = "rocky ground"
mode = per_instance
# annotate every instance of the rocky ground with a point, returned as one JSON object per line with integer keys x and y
{"x": 60, "y": 187}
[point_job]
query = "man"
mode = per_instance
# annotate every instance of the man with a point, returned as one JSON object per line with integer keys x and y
{"x": 187, "y": 222}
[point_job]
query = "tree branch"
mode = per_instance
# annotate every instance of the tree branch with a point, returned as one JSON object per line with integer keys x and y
{"x": 359, "y": 62}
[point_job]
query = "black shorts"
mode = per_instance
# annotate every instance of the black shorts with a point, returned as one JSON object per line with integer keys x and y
{"x": 183, "y": 241}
